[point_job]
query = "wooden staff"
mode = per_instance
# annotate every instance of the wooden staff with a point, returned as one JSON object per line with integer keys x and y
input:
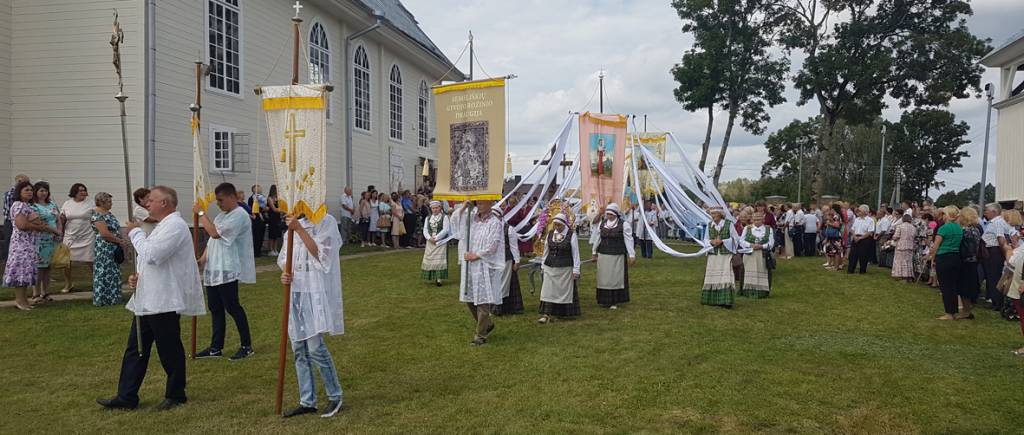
{"x": 281, "y": 355}
{"x": 196, "y": 109}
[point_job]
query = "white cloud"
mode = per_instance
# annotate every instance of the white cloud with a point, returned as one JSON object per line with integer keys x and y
{"x": 557, "y": 48}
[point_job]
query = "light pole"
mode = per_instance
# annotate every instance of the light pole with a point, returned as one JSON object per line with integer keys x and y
{"x": 881, "y": 167}
{"x": 800, "y": 175}
{"x": 984, "y": 157}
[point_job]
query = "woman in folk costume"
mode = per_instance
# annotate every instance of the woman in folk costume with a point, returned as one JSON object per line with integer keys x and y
{"x": 435, "y": 256}
{"x": 719, "y": 281}
{"x": 758, "y": 240}
{"x": 316, "y": 310}
{"x": 511, "y": 295}
{"x": 483, "y": 257}
{"x": 612, "y": 243}
{"x": 559, "y": 294}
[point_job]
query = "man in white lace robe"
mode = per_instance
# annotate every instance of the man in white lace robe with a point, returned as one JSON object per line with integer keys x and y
{"x": 483, "y": 260}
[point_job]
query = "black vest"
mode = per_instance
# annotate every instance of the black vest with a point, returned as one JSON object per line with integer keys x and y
{"x": 508, "y": 247}
{"x": 559, "y": 253}
{"x": 612, "y": 242}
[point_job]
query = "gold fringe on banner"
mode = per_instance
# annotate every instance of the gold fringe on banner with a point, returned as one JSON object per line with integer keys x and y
{"x": 286, "y": 103}
{"x": 479, "y": 84}
{"x": 596, "y": 120}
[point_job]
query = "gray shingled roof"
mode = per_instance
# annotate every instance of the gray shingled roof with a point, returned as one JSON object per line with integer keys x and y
{"x": 402, "y": 20}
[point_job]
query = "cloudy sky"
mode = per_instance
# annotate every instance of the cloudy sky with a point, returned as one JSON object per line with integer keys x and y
{"x": 557, "y": 48}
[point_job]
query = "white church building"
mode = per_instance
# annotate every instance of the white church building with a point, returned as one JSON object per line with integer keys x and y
{"x": 59, "y": 121}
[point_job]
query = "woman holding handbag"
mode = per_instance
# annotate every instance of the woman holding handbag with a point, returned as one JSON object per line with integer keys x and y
{"x": 397, "y": 221}
{"x": 362, "y": 217}
{"x": 106, "y": 275}
{"x": 49, "y": 214}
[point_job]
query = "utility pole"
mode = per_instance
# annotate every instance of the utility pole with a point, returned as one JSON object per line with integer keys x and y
{"x": 800, "y": 175}
{"x": 600, "y": 85}
{"x": 881, "y": 167}
{"x": 470, "y": 55}
{"x": 645, "y": 123}
{"x": 984, "y": 157}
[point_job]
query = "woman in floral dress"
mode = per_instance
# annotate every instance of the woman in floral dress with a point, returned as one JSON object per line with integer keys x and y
{"x": 106, "y": 274}
{"x": 47, "y": 243}
{"x": 20, "y": 271}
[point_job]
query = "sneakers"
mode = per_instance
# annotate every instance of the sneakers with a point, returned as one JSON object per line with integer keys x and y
{"x": 209, "y": 353}
{"x": 298, "y": 411}
{"x": 613, "y": 307}
{"x": 273, "y": 253}
{"x": 242, "y": 353}
{"x": 477, "y": 342}
{"x": 333, "y": 407}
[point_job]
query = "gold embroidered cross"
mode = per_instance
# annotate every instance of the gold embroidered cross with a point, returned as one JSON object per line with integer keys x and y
{"x": 292, "y": 134}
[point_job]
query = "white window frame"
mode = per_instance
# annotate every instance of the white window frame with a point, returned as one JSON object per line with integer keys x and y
{"x": 214, "y": 129}
{"x": 423, "y": 115}
{"x": 356, "y": 69}
{"x": 322, "y": 52}
{"x": 241, "y": 47}
{"x": 396, "y": 111}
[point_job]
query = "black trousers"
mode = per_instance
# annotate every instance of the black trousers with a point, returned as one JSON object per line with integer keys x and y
{"x": 646, "y": 248}
{"x": 947, "y": 269}
{"x": 259, "y": 231}
{"x": 810, "y": 244}
{"x": 5, "y": 239}
{"x": 993, "y": 265}
{"x": 165, "y": 330}
{"x": 798, "y": 243}
{"x": 410, "y": 227}
{"x": 860, "y": 253}
{"x": 221, "y": 298}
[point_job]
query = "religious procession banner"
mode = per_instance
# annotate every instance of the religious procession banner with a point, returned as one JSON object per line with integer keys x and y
{"x": 470, "y": 140}
{"x": 602, "y": 153}
{"x": 296, "y": 127}
{"x": 200, "y": 190}
{"x": 656, "y": 143}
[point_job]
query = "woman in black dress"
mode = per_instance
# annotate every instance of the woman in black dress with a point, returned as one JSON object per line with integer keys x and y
{"x": 273, "y": 222}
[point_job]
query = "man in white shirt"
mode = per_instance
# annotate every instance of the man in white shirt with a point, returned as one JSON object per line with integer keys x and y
{"x": 345, "y": 215}
{"x": 643, "y": 236}
{"x": 483, "y": 259}
{"x": 140, "y": 212}
{"x": 796, "y": 221}
{"x": 228, "y": 260}
{"x": 166, "y": 286}
{"x": 863, "y": 240}
{"x": 996, "y": 236}
{"x": 810, "y": 234}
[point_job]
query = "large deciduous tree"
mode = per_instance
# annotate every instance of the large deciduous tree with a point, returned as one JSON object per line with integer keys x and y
{"x": 923, "y": 143}
{"x": 858, "y": 52}
{"x": 731, "y": 64}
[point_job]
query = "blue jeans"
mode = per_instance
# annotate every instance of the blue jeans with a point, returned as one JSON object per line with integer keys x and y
{"x": 309, "y": 352}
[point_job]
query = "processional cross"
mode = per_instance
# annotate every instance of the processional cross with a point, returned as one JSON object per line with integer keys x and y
{"x": 292, "y": 135}
{"x": 296, "y": 6}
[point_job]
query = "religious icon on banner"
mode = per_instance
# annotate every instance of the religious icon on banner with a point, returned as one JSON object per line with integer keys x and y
{"x": 602, "y": 148}
{"x": 469, "y": 155}
{"x": 471, "y": 140}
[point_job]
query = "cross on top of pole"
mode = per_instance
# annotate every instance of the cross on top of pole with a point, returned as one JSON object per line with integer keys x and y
{"x": 297, "y": 6}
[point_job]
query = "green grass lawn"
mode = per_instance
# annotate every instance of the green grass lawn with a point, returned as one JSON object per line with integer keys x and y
{"x": 827, "y": 353}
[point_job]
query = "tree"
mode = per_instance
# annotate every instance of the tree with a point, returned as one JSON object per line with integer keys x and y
{"x": 926, "y": 142}
{"x": 738, "y": 190}
{"x": 699, "y": 89}
{"x": 923, "y": 143}
{"x": 967, "y": 196}
{"x": 858, "y": 52}
{"x": 734, "y": 66}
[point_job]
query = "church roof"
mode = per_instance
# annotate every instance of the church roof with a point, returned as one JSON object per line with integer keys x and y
{"x": 400, "y": 19}
{"x": 1008, "y": 51}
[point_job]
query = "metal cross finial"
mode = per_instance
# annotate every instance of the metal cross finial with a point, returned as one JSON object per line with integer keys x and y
{"x": 297, "y": 6}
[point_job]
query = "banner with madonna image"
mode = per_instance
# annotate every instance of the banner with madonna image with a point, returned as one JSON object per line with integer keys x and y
{"x": 470, "y": 140}
{"x": 602, "y": 153}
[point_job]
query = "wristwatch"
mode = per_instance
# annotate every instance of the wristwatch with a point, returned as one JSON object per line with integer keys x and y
{"x": 201, "y": 213}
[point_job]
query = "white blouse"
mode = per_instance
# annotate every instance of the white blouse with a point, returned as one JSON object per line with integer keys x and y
{"x": 316, "y": 301}
{"x": 167, "y": 269}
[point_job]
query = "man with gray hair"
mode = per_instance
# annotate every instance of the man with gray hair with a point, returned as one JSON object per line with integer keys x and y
{"x": 863, "y": 239}
{"x": 166, "y": 283}
{"x": 995, "y": 238}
